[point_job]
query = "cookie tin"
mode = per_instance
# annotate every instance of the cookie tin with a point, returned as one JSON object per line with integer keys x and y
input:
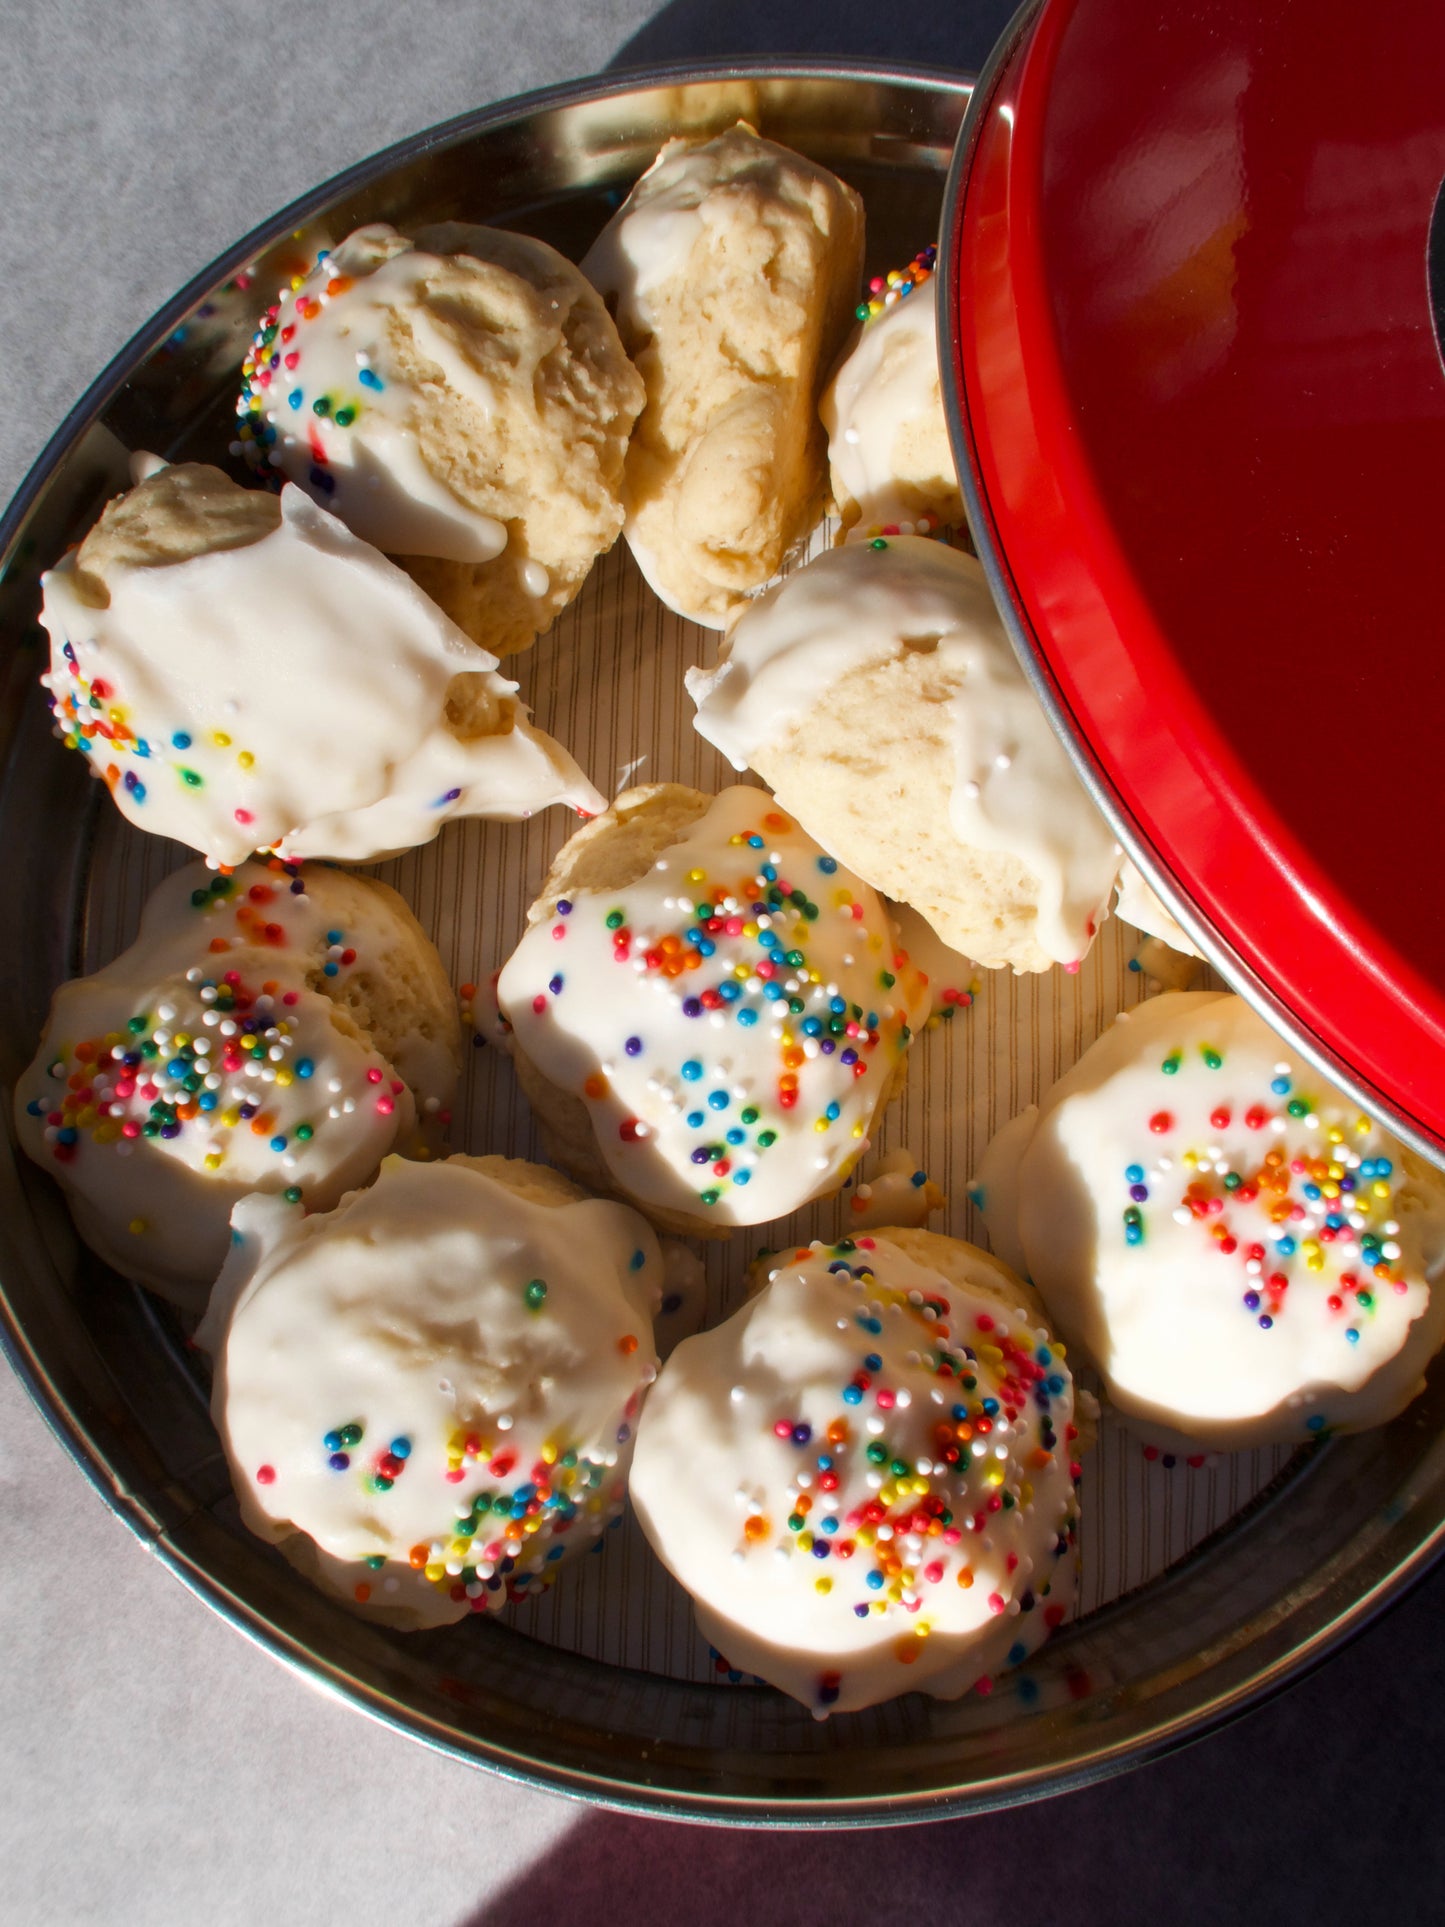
{"x": 1194, "y": 285}
{"x": 1202, "y": 1590}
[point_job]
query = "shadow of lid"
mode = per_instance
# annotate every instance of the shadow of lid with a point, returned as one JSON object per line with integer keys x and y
{"x": 959, "y": 37}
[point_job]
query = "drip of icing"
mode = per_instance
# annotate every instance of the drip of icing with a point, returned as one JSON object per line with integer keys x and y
{"x": 535, "y": 579}
{"x": 730, "y": 1019}
{"x": 199, "y": 1066}
{"x": 865, "y": 1477}
{"x": 1140, "y": 905}
{"x": 1015, "y": 791}
{"x": 223, "y": 700}
{"x": 1245, "y": 1255}
{"x": 898, "y": 1192}
{"x": 325, "y": 399}
{"x": 143, "y": 465}
{"x": 437, "y": 1384}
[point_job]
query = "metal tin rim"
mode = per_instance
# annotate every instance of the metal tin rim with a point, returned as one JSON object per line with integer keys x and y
{"x": 1163, "y": 1731}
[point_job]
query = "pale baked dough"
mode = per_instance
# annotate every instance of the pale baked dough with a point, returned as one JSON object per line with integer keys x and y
{"x": 733, "y": 267}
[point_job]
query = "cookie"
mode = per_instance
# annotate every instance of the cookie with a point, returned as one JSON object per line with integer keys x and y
{"x": 266, "y": 1031}
{"x": 732, "y": 269}
{"x": 427, "y": 1395}
{"x": 244, "y": 674}
{"x": 708, "y": 1012}
{"x": 890, "y": 466}
{"x": 1139, "y": 904}
{"x": 865, "y": 1478}
{"x": 1244, "y": 1255}
{"x": 876, "y": 693}
{"x": 461, "y": 401}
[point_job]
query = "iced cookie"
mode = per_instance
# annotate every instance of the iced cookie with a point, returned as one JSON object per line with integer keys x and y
{"x": 707, "y": 1011}
{"x": 876, "y": 693}
{"x": 889, "y": 462}
{"x": 1241, "y": 1252}
{"x": 266, "y": 1031}
{"x": 865, "y": 1478}
{"x": 244, "y": 674}
{"x": 732, "y": 268}
{"x": 427, "y": 1395}
{"x": 462, "y": 402}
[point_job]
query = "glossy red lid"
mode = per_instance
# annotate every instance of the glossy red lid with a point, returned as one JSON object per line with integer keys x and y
{"x": 1199, "y": 405}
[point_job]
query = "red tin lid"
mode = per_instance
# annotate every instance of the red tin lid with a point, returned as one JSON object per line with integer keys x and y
{"x": 1198, "y": 404}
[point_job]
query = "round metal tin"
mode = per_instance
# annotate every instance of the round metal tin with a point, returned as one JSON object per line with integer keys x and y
{"x": 1199, "y": 408}
{"x": 1310, "y": 1558}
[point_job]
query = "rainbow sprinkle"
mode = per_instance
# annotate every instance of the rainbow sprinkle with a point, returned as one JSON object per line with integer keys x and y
{"x": 508, "y": 1522}
{"x": 271, "y": 375}
{"x": 885, "y": 291}
{"x": 213, "y": 1069}
{"x": 90, "y": 717}
{"x": 1325, "y": 1215}
{"x": 737, "y": 944}
{"x": 904, "y": 1525}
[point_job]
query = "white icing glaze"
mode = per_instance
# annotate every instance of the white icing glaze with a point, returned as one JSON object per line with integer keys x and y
{"x": 898, "y": 1192}
{"x": 334, "y": 343}
{"x": 648, "y": 240}
{"x": 1223, "y": 1310}
{"x": 291, "y": 693}
{"x": 887, "y": 381}
{"x": 698, "y": 1117}
{"x": 406, "y": 1313}
{"x": 1140, "y": 905}
{"x": 1015, "y": 790}
{"x": 230, "y": 1088}
{"x": 831, "y": 1573}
